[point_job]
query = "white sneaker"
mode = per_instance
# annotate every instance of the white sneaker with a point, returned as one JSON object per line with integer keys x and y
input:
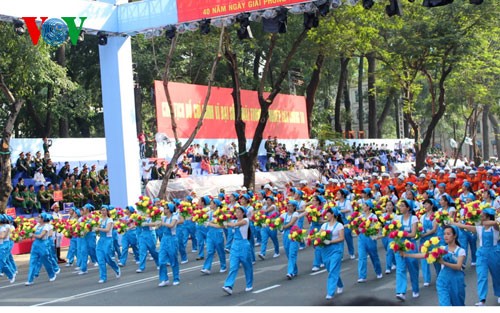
{"x": 223, "y": 270}
{"x": 379, "y": 276}
{"x": 138, "y": 270}
{"x": 77, "y": 269}
{"x": 340, "y": 290}
{"x": 289, "y": 276}
{"x": 301, "y": 248}
{"x": 480, "y": 303}
{"x": 328, "y": 297}
{"x": 393, "y": 267}
{"x": 276, "y": 255}
{"x": 1, "y": 274}
{"x": 498, "y": 300}
{"x": 362, "y": 280}
{"x": 175, "y": 283}
{"x": 158, "y": 268}
{"x": 68, "y": 264}
{"x": 58, "y": 271}
{"x": 315, "y": 269}
{"x": 205, "y": 271}
{"x": 257, "y": 244}
{"x": 321, "y": 265}
{"x": 96, "y": 264}
{"x": 415, "y": 295}
{"x": 53, "y": 278}
{"x": 120, "y": 265}
{"x": 352, "y": 257}
{"x": 184, "y": 262}
{"x": 100, "y": 281}
{"x": 226, "y": 250}
{"x": 82, "y": 273}
{"x": 164, "y": 283}
{"x": 473, "y": 264}
{"x": 248, "y": 289}
{"x": 261, "y": 256}
{"x": 426, "y": 284}
{"x": 387, "y": 271}
{"x": 151, "y": 258}
{"x": 137, "y": 262}
{"x": 228, "y": 290}
{"x": 13, "y": 280}
{"x": 28, "y": 283}
{"x": 401, "y": 296}
{"x": 119, "y": 273}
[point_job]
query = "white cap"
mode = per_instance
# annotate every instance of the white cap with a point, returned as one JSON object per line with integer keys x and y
{"x": 349, "y": 181}
{"x": 267, "y": 186}
{"x": 471, "y": 162}
{"x": 411, "y": 172}
{"x": 397, "y": 172}
{"x": 447, "y": 168}
{"x": 424, "y": 169}
{"x": 385, "y": 175}
{"x": 243, "y": 188}
{"x": 375, "y": 174}
{"x": 421, "y": 176}
{"x": 489, "y": 171}
{"x": 275, "y": 188}
{"x": 303, "y": 182}
{"x": 481, "y": 165}
{"x": 453, "y": 168}
{"x": 468, "y": 168}
{"x": 341, "y": 181}
{"x": 453, "y": 175}
{"x": 331, "y": 180}
{"x": 359, "y": 178}
{"x": 441, "y": 171}
{"x": 401, "y": 177}
{"x": 336, "y": 181}
{"x": 472, "y": 172}
{"x": 437, "y": 168}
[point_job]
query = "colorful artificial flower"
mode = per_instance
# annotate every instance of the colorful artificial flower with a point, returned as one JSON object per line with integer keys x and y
{"x": 185, "y": 209}
{"x": 144, "y": 204}
{"x": 220, "y": 216}
{"x": 442, "y": 217}
{"x": 259, "y": 218}
{"x": 400, "y": 243}
{"x": 317, "y": 237}
{"x": 154, "y": 213}
{"x": 297, "y": 234}
{"x": 433, "y": 252}
{"x": 137, "y": 219}
{"x": 200, "y": 216}
{"x": 313, "y": 214}
{"x": 367, "y": 226}
{"x": 390, "y": 225}
{"x": 471, "y": 213}
{"x": 121, "y": 227}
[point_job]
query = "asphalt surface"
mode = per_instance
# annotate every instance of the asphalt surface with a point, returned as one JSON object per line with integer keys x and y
{"x": 271, "y": 287}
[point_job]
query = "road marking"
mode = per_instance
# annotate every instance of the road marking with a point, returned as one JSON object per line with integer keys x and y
{"x": 389, "y": 285}
{"x": 246, "y": 302}
{"x": 266, "y": 289}
{"x": 318, "y": 272}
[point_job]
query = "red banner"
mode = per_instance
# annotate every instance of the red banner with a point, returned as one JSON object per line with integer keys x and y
{"x": 58, "y": 195}
{"x": 287, "y": 114}
{"x": 11, "y": 212}
{"x": 191, "y": 10}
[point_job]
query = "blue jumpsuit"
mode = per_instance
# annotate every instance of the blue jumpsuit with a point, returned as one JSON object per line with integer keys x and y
{"x": 347, "y": 232}
{"x": 300, "y": 223}
{"x": 265, "y": 234}
{"x": 105, "y": 251}
{"x": 215, "y": 242}
{"x": 291, "y": 247}
{"x": 10, "y": 259}
{"x": 201, "y": 238}
{"x": 450, "y": 283}
{"x": 367, "y": 246}
{"x": 4, "y": 255}
{"x": 189, "y": 230}
{"x": 488, "y": 256}
{"x": 404, "y": 265}
{"x": 240, "y": 254}
{"x": 116, "y": 251}
{"x": 468, "y": 239}
{"x": 181, "y": 242}
{"x": 427, "y": 224}
{"x": 390, "y": 258}
{"x": 40, "y": 254}
{"x": 129, "y": 240}
{"x": 72, "y": 250}
{"x": 168, "y": 251}
{"x": 332, "y": 256}
{"x": 147, "y": 242}
{"x": 228, "y": 232}
{"x": 318, "y": 259}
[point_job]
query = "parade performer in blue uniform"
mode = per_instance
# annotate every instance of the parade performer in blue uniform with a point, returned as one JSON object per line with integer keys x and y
{"x": 74, "y": 214}
{"x": 390, "y": 258}
{"x": 368, "y": 246}
{"x": 240, "y": 252}
{"x": 215, "y": 240}
{"x": 190, "y": 230}
{"x": 201, "y": 230}
{"x": 147, "y": 243}
{"x": 5, "y": 249}
{"x": 269, "y": 209}
{"x": 346, "y": 210}
{"x": 318, "y": 202}
{"x": 169, "y": 247}
{"x": 129, "y": 239}
{"x": 290, "y": 218}
{"x": 333, "y": 251}
{"x": 180, "y": 233}
{"x": 105, "y": 245}
{"x": 430, "y": 229}
{"x": 39, "y": 253}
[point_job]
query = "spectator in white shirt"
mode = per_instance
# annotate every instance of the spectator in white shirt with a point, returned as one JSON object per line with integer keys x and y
{"x": 39, "y": 178}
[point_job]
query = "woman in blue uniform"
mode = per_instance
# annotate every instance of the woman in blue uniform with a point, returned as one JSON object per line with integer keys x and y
{"x": 450, "y": 283}
{"x": 39, "y": 252}
{"x": 129, "y": 239}
{"x": 430, "y": 228}
{"x": 318, "y": 202}
{"x": 269, "y": 209}
{"x": 215, "y": 240}
{"x": 74, "y": 214}
{"x": 290, "y": 218}
{"x": 147, "y": 243}
{"x": 201, "y": 230}
{"x": 5, "y": 249}
{"x": 346, "y": 210}
{"x": 468, "y": 239}
{"x": 169, "y": 247}
{"x": 240, "y": 252}
{"x": 390, "y": 258}
{"x": 333, "y": 251}
{"x": 409, "y": 224}
{"x": 368, "y": 246}
{"x": 189, "y": 230}
{"x": 488, "y": 254}
{"x": 105, "y": 246}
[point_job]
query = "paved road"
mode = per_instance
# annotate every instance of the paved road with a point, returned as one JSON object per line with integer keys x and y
{"x": 271, "y": 288}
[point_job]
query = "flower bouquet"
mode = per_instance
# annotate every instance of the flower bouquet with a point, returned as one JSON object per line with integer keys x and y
{"x": 25, "y": 226}
{"x": 420, "y": 212}
{"x": 200, "y": 216}
{"x": 116, "y": 213}
{"x": 433, "y": 252}
{"x": 313, "y": 214}
{"x": 442, "y": 217}
{"x": 144, "y": 204}
{"x": 121, "y": 227}
{"x": 400, "y": 243}
{"x": 366, "y": 226}
{"x": 16, "y": 235}
{"x": 330, "y": 195}
{"x": 137, "y": 219}
{"x": 420, "y": 230}
{"x": 154, "y": 213}
{"x": 220, "y": 216}
{"x": 471, "y": 213}
{"x": 69, "y": 228}
{"x": 185, "y": 209}
{"x": 259, "y": 218}
{"x": 297, "y": 234}
{"x": 317, "y": 237}
{"x": 390, "y": 227}
{"x": 274, "y": 222}
{"x": 257, "y": 205}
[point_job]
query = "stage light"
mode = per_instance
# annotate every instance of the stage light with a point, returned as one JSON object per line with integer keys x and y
{"x": 394, "y": 8}
{"x": 435, "y": 3}
{"x": 19, "y": 27}
{"x": 204, "y": 26}
{"x": 367, "y": 4}
{"x": 311, "y": 20}
{"x": 102, "y": 38}
{"x": 170, "y": 32}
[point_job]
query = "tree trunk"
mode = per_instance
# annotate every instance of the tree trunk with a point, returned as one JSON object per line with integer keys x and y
{"x": 311, "y": 89}
{"x": 179, "y": 149}
{"x": 496, "y": 130}
{"x": 347, "y": 105}
{"x": 360, "y": 94}
{"x": 5, "y": 164}
{"x": 138, "y": 107}
{"x": 256, "y": 68}
{"x": 486, "y": 133}
{"x": 385, "y": 112}
{"x": 460, "y": 146}
{"x": 340, "y": 89}
{"x": 63, "y": 127}
{"x": 372, "y": 100}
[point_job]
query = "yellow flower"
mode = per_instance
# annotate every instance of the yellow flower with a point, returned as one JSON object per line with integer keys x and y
{"x": 391, "y": 226}
{"x": 400, "y": 233}
{"x": 424, "y": 249}
{"x": 435, "y": 240}
{"x": 427, "y": 244}
{"x": 431, "y": 259}
{"x": 323, "y": 233}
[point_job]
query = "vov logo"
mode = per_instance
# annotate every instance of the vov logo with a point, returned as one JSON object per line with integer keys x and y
{"x": 54, "y": 31}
